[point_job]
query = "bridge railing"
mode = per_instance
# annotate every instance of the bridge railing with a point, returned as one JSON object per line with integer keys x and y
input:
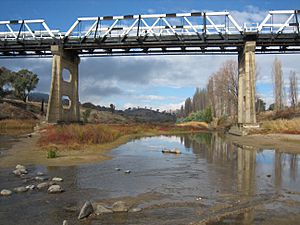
{"x": 280, "y": 21}
{"x": 26, "y": 30}
{"x": 197, "y": 23}
{"x": 156, "y": 26}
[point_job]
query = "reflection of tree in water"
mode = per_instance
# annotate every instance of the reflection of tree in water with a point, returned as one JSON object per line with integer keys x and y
{"x": 211, "y": 146}
{"x": 293, "y": 166}
{"x": 240, "y": 163}
{"x": 278, "y": 169}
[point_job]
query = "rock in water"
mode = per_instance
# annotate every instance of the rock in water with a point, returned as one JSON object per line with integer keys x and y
{"x": 40, "y": 173}
{"x": 127, "y": 171}
{"x": 57, "y": 179}
{"x": 86, "y": 210}
{"x": 55, "y": 189}
{"x": 43, "y": 185}
{"x": 6, "y": 192}
{"x": 20, "y": 189}
{"x": 20, "y": 167}
{"x": 119, "y": 206}
{"x": 133, "y": 210}
{"x": 172, "y": 151}
{"x": 30, "y": 187}
{"x": 39, "y": 178}
{"x": 19, "y": 172}
{"x": 102, "y": 209}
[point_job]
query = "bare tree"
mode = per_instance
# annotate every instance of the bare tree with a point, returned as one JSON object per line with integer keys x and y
{"x": 188, "y": 107}
{"x": 200, "y": 100}
{"x": 222, "y": 89}
{"x": 278, "y": 84}
{"x": 210, "y": 95}
{"x": 293, "y": 89}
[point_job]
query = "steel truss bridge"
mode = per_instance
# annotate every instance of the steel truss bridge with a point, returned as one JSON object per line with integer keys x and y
{"x": 176, "y": 33}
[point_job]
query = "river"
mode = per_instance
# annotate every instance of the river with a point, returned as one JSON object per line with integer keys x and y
{"x": 211, "y": 182}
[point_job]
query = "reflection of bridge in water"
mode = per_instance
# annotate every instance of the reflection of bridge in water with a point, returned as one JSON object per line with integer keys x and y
{"x": 252, "y": 168}
{"x": 177, "y": 33}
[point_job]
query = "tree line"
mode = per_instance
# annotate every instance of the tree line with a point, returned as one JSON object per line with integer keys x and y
{"x": 221, "y": 92}
{"x": 19, "y": 83}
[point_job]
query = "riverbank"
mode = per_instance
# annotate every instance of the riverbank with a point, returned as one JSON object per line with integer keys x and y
{"x": 81, "y": 144}
{"x": 88, "y": 147}
{"x": 280, "y": 142}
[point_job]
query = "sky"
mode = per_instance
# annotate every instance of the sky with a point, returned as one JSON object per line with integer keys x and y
{"x": 162, "y": 82}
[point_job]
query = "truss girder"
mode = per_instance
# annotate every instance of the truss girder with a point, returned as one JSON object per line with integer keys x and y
{"x": 203, "y": 30}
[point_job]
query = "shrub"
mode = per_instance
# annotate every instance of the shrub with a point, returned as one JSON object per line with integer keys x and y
{"x": 200, "y": 116}
{"x": 52, "y": 154}
{"x": 86, "y": 114}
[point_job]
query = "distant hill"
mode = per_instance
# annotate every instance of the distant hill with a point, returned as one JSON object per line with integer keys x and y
{"x": 38, "y": 97}
{"x": 136, "y": 114}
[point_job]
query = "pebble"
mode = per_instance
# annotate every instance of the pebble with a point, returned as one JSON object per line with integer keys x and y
{"x": 30, "y": 187}
{"x": 5, "y": 192}
{"x": 119, "y": 206}
{"x": 57, "y": 179}
{"x": 42, "y": 185}
{"x": 39, "y": 173}
{"x": 65, "y": 222}
{"x": 39, "y": 178}
{"x": 20, "y": 189}
{"x": 53, "y": 189}
{"x": 86, "y": 210}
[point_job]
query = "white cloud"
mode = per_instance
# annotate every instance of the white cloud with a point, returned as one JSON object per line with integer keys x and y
{"x": 171, "y": 106}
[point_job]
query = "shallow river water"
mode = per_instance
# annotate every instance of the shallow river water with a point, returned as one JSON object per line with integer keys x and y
{"x": 211, "y": 182}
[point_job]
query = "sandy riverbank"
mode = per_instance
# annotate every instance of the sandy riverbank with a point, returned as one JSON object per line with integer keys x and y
{"x": 26, "y": 150}
{"x": 280, "y": 142}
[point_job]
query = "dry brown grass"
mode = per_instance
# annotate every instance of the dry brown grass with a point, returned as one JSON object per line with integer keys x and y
{"x": 17, "y": 124}
{"x": 193, "y": 124}
{"x": 282, "y": 126}
{"x": 75, "y": 136}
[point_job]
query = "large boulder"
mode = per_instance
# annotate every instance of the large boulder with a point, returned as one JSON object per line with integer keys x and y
{"x": 86, "y": 210}
{"x": 120, "y": 206}
{"x": 102, "y": 209}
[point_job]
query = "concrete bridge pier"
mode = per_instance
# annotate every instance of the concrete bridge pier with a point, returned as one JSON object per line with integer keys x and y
{"x": 63, "y": 104}
{"x": 246, "y": 90}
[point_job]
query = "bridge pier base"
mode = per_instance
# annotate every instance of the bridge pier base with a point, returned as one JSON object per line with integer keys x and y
{"x": 63, "y": 104}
